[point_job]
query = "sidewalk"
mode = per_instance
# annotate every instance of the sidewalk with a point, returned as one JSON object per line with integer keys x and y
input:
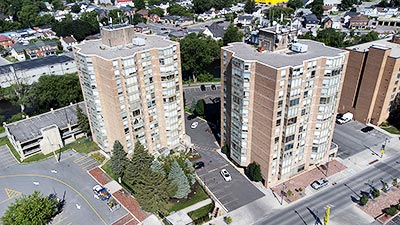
{"x": 196, "y": 206}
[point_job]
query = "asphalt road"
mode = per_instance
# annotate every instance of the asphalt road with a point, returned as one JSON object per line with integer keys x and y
{"x": 71, "y": 179}
{"x": 194, "y": 93}
{"x": 233, "y": 194}
{"x": 168, "y": 28}
{"x": 339, "y": 196}
{"x": 351, "y": 140}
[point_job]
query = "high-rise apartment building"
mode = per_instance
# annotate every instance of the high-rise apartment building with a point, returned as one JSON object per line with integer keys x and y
{"x": 371, "y": 83}
{"x": 132, "y": 89}
{"x": 279, "y": 102}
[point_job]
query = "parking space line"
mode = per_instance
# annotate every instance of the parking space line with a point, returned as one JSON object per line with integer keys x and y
{"x": 91, "y": 164}
{"x": 80, "y": 159}
{"x": 8, "y": 160}
{"x": 68, "y": 157}
{"x": 84, "y": 162}
{"x": 213, "y": 170}
{"x": 224, "y": 166}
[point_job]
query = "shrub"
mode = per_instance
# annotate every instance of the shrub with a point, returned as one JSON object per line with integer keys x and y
{"x": 385, "y": 124}
{"x": 289, "y": 193}
{"x": 98, "y": 157}
{"x": 228, "y": 220}
{"x": 254, "y": 172}
{"x": 395, "y": 181}
{"x": 363, "y": 200}
{"x": 391, "y": 211}
{"x": 376, "y": 193}
{"x": 398, "y": 206}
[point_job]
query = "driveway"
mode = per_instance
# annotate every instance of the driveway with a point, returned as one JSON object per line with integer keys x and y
{"x": 69, "y": 180}
{"x": 233, "y": 194}
{"x": 351, "y": 140}
{"x": 194, "y": 93}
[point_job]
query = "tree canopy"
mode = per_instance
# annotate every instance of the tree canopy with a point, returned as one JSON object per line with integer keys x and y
{"x": 254, "y": 172}
{"x": 83, "y": 121}
{"x": 140, "y": 4}
{"x": 178, "y": 177}
{"x": 317, "y": 8}
{"x": 394, "y": 115}
{"x": 198, "y": 52}
{"x": 178, "y": 10}
{"x": 118, "y": 159}
{"x": 80, "y": 28}
{"x": 232, "y": 34}
{"x": 200, "y": 6}
{"x": 30, "y": 209}
{"x": 157, "y": 10}
{"x": 140, "y": 161}
{"x": 199, "y": 109}
{"x": 295, "y": 4}
{"x": 249, "y": 6}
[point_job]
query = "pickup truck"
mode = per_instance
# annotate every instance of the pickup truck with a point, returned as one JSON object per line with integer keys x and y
{"x": 101, "y": 193}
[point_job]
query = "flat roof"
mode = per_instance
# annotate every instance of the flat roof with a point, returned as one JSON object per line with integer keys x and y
{"x": 383, "y": 44}
{"x": 95, "y": 47}
{"x": 283, "y": 58}
{"x": 36, "y": 63}
{"x": 28, "y": 129}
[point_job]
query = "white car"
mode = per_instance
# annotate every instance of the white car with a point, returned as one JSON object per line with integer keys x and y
{"x": 225, "y": 174}
{"x": 318, "y": 184}
{"x": 194, "y": 125}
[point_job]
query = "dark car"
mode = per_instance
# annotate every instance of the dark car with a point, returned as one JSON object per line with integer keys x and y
{"x": 213, "y": 87}
{"x": 198, "y": 165}
{"x": 163, "y": 28}
{"x": 367, "y": 129}
{"x": 190, "y": 117}
{"x": 202, "y": 87}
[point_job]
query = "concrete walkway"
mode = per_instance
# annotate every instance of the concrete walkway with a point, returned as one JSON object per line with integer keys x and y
{"x": 196, "y": 206}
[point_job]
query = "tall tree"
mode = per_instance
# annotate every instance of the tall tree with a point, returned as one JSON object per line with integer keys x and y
{"x": 140, "y": 4}
{"x": 157, "y": 167}
{"x": 254, "y": 172}
{"x": 141, "y": 161}
{"x": 178, "y": 177}
{"x": 83, "y": 121}
{"x": 30, "y": 209}
{"x": 232, "y": 34}
{"x": 118, "y": 159}
{"x": 317, "y": 8}
{"x": 178, "y": 10}
{"x": 200, "y": 107}
{"x": 75, "y": 8}
{"x": 394, "y": 115}
{"x": 249, "y": 6}
{"x": 157, "y": 10}
{"x": 295, "y": 4}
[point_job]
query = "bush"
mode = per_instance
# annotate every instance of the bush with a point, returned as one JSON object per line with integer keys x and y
{"x": 395, "y": 181}
{"x": 254, "y": 172}
{"x": 391, "y": 211}
{"x": 398, "y": 206}
{"x": 363, "y": 200}
{"x": 385, "y": 124}
{"x": 205, "y": 77}
{"x": 289, "y": 193}
{"x": 98, "y": 157}
{"x": 228, "y": 220}
{"x": 376, "y": 193}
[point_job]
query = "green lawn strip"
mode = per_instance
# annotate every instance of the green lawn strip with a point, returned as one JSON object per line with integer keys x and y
{"x": 80, "y": 145}
{"x": 198, "y": 197}
{"x": 106, "y": 167}
{"x": 392, "y": 130}
{"x": 5, "y": 141}
{"x": 2, "y": 129}
{"x": 201, "y": 212}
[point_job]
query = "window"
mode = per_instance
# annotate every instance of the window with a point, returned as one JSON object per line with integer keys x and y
{"x": 278, "y": 122}
{"x": 289, "y": 138}
{"x": 294, "y": 102}
{"x": 288, "y": 147}
{"x": 292, "y": 121}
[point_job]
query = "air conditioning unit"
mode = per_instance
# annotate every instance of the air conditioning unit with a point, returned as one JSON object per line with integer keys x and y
{"x": 297, "y": 47}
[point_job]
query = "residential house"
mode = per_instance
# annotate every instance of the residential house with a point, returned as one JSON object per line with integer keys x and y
{"x": 68, "y": 42}
{"x": 177, "y": 34}
{"x": 123, "y": 2}
{"x": 207, "y": 15}
{"x": 30, "y": 71}
{"x": 216, "y": 30}
{"x": 185, "y": 3}
{"x": 45, "y": 133}
{"x": 243, "y": 20}
{"x": 331, "y": 5}
{"x": 302, "y": 12}
{"x": 142, "y": 28}
{"x": 6, "y": 41}
{"x": 310, "y": 21}
{"x": 129, "y": 11}
{"x": 358, "y": 22}
{"x": 326, "y": 22}
{"x": 144, "y": 13}
{"x": 34, "y": 50}
{"x": 177, "y": 20}
{"x": 155, "y": 18}
{"x": 348, "y": 15}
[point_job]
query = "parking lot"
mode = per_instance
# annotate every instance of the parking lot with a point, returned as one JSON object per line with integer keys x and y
{"x": 68, "y": 179}
{"x": 6, "y": 158}
{"x": 351, "y": 140}
{"x": 194, "y": 93}
{"x": 233, "y": 194}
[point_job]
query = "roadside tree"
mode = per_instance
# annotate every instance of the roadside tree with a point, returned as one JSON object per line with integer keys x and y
{"x": 118, "y": 159}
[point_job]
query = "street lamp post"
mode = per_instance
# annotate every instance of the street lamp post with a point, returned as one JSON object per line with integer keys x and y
{"x": 282, "y": 192}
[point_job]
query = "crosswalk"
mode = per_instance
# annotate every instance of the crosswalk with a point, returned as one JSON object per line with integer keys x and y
{"x": 86, "y": 162}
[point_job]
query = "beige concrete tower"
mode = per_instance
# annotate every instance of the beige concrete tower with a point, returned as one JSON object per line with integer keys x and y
{"x": 279, "y": 103}
{"x": 132, "y": 89}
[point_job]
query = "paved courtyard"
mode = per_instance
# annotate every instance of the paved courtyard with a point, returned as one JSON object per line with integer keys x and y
{"x": 233, "y": 194}
{"x": 68, "y": 179}
{"x": 194, "y": 93}
{"x": 351, "y": 140}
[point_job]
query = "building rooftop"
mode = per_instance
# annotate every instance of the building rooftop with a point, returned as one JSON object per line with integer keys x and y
{"x": 34, "y": 46}
{"x": 380, "y": 44}
{"x": 28, "y": 129}
{"x": 95, "y": 47}
{"x": 35, "y": 63}
{"x": 283, "y": 58}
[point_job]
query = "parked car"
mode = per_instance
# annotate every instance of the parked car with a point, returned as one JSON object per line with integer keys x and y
{"x": 202, "y": 87}
{"x": 225, "y": 174}
{"x": 194, "y": 125}
{"x": 101, "y": 193}
{"x": 347, "y": 117}
{"x": 367, "y": 129}
{"x": 319, "y": 183}
{"x": 163, "y": 28}
{"x": 190, "y": 117}
{"x": 213, "y": 87}
{"x": 198, "y": 165}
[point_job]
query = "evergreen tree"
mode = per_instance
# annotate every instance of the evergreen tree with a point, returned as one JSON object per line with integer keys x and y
{"x": 190, "y": 174}
{"x": 249, "y": 6}
{"x": 178, "y": 177}
{"x": 157, "y": 167}
{"x": 254, "y": 172}
{"x": 83, "y": 121}
{"x": 140, "y": 4}
{"x": 141, "y": 161}
{"x": 118, "y": 159}
{"x": 153, "y": 192}
{"x": 199, "y": 109}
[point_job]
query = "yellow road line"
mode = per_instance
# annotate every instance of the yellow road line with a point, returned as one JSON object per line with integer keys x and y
{"x": 80, "y": 159}
{"x": 224, "y": 166}
{"x": 60, "y": 221}
{"x": 91, "y": 164}
{"x": 62, "y": 182}
{"x": 210, "y": 171}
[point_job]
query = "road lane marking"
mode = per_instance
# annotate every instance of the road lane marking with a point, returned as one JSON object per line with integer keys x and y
{"x": 213, "y": 170}
{"x": 59, "y": 221}
{"x": 62, "y": 182}
{"x": 91, "y": 164}
{"x": 12, "y": 193}
{"x": 68, "y": 157}
{"x": 224, "y": 166}
{"x": 87, "y": 160}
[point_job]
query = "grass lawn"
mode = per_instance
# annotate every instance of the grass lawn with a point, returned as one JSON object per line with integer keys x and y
{"x": 5, "y": 141}
{"x": 80, "y": 145}
{"x": 2, "y": 129}
{"x": 11, "y": 59}
{"x": 201, "y": 212}
{"x": 392, "y": 130}
{"x": 193, "y": 199}
{"x": 107, "y": 169}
